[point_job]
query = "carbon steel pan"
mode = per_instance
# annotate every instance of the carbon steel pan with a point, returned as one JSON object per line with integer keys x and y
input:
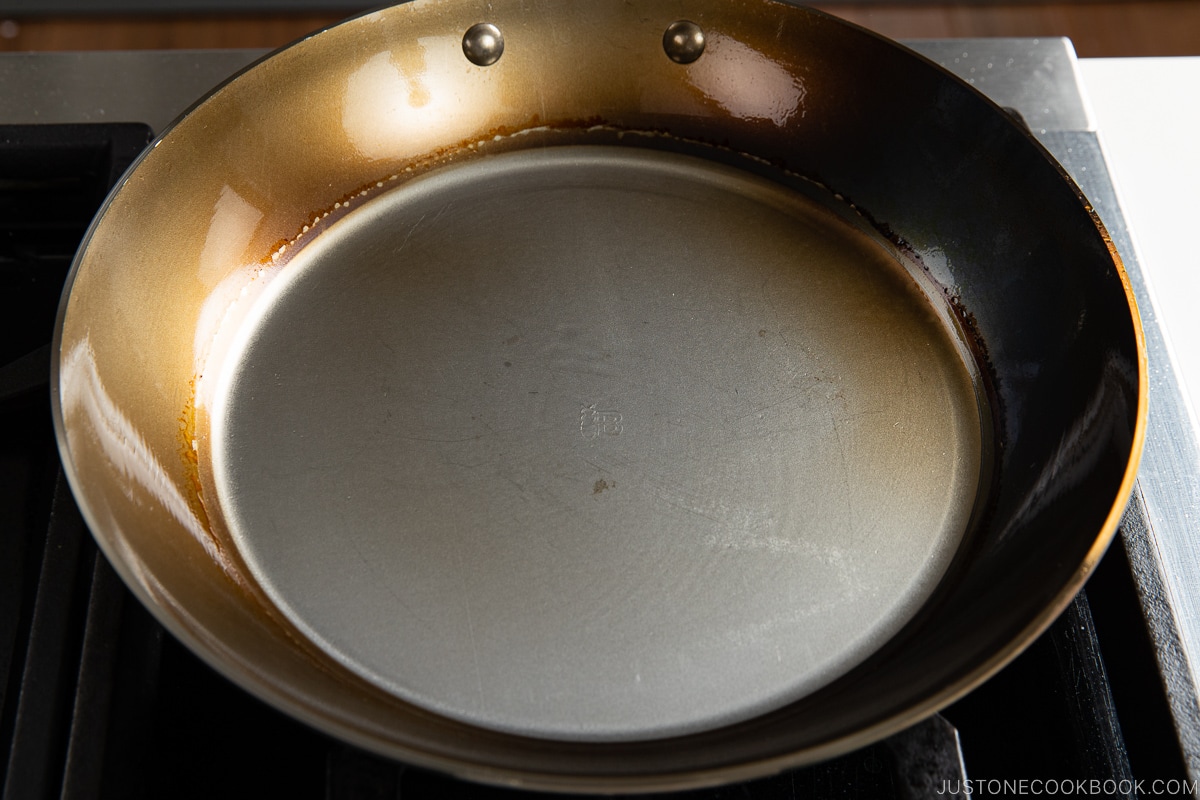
{"x": 596, "y": 397}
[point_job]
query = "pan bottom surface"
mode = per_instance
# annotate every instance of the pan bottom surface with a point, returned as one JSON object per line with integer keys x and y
{"x": 596, "y": 443}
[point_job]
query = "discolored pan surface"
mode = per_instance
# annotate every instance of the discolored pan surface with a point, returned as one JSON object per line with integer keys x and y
{"x": 596, "y": 443}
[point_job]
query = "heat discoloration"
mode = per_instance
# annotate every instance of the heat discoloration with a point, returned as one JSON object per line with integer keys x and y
{"x": 189, "y": 451}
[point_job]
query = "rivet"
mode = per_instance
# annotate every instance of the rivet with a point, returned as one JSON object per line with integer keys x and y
{"x": 483, "y": 44}
{"x": 683, "y": 41}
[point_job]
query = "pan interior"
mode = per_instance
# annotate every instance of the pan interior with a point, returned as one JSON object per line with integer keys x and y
{"x": 596, "y": 443}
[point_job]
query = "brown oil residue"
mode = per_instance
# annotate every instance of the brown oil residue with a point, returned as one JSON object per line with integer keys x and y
{"x": 323, "y": 217}
{"x": 493, "y": 138}
{"x": 189, "y": 451}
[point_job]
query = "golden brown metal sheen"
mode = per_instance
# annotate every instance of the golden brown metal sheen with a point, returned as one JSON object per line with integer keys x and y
{"x": 259, "y": 170}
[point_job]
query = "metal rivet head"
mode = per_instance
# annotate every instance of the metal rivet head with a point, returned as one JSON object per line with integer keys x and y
{"x": 483, "y": 44}
{"x": 683, "y": 41}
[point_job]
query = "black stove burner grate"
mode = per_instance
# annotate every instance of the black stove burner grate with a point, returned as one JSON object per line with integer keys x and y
{"x": 97, "y": 702}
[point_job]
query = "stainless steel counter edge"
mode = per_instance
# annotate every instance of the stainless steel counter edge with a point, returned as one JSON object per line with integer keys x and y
{"x": 149, "y": 86}
{"x": 1038, "y": 77}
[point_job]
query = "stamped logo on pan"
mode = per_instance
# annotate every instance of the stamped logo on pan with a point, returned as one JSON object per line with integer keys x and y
{"x": 594, "y": 423}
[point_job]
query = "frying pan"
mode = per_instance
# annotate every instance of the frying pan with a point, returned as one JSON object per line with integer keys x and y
{"x": 600, "y": 397}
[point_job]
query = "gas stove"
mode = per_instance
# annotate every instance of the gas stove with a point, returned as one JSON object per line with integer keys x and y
{"x": 97, "y": 701}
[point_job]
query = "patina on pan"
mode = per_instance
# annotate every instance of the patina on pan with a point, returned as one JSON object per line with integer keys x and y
{"x": 181, "y": 409}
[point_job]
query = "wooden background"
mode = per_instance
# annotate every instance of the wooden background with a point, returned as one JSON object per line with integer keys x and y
{"x": 1148, "y": 28}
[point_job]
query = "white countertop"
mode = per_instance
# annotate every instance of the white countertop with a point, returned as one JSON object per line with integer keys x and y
{"x": 1147, "y": 113}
